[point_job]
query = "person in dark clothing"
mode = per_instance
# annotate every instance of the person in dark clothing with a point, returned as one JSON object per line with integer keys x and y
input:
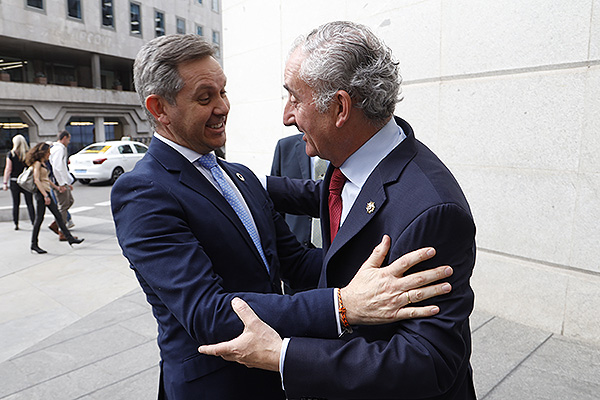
{"x": 15, "y": 164}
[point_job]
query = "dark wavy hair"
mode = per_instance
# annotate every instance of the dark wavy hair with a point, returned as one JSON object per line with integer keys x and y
{"x": 36, "y": 153}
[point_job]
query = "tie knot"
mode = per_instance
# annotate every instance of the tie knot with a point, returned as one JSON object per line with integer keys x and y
{"x": 337, "y": 182}
{"x": 207, "y": 161}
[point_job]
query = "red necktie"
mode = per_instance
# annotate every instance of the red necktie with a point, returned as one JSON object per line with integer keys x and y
{"x": 335, "y": 201}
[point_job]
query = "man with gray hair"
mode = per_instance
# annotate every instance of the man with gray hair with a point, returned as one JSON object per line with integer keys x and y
{"x": 343, "y": 85}
{"x": 199, "y": 232}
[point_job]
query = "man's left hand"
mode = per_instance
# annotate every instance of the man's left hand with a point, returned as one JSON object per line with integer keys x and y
{"x": 259, "y": 346}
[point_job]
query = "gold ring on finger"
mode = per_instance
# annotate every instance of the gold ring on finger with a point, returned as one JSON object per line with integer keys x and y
{"x": 408, "y": 297}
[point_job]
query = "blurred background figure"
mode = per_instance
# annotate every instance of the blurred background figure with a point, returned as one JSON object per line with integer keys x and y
{"x": 37, "y": 157}
{"x": 15, "y": 164}
{"x": 290, "y": 160}
{"x": 64, "y": 180}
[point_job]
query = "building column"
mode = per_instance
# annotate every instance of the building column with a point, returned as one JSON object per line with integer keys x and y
{"x": 96, "y": 81}
{"x": 100, "y": 133}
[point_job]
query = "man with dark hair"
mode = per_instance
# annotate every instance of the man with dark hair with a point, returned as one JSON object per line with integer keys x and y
{"x": 63, "y": 179}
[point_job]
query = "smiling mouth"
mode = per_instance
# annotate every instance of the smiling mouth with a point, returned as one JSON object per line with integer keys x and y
{"x": 216, "y": 126}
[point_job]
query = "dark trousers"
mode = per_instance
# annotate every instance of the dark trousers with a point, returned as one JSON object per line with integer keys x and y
{"x": 40, "y": 209}
{"x": 15, "y": 191}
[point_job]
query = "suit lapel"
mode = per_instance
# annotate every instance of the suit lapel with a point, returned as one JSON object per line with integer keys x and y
{"x": 192, "y": 178}
{"x": 254, "y": 206}
{"x": 371, "y": 199}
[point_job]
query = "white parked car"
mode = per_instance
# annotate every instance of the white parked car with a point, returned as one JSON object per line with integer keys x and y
{"x": 106, "y": 160}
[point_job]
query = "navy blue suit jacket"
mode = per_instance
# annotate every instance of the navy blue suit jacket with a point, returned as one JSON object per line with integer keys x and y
{"x": 290, "y": 159}
{"x": 192, "y": 255}
{"x": 418, "y": 203}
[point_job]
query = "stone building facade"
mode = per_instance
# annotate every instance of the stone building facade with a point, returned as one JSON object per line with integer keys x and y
{"x": 67, "y": 64}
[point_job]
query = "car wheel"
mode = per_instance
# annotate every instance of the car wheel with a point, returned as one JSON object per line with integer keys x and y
{"x": 85, "y": 181}
{"x": 117, "y": 172}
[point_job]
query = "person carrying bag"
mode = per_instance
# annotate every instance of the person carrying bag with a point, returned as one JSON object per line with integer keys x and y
{"x": 25, "y": 180}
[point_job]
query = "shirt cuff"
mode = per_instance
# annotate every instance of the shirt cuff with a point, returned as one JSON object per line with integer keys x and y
{"x": 336, "y": 306}
{"x": 263, "y": 181}
{"x": 284, "y": 346}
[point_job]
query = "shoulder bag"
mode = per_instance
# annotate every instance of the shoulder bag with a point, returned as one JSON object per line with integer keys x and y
{"x": 25, "y": 180}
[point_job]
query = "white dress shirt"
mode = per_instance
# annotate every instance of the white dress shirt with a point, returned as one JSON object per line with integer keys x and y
{"x": 58, "y": 160}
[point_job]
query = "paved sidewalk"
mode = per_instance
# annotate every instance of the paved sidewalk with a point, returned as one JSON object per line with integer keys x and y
{"x": 74, "y": 325}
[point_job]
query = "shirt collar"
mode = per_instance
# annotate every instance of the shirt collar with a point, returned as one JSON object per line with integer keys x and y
{"x": 189, "y": 154}
{"x": 363, "y": 161}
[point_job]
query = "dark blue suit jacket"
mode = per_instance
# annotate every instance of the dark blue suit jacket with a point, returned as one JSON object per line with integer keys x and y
{"x": 192, "y": 255}
{"x": 417, "y": 202}
{"x": 290, "y": 159}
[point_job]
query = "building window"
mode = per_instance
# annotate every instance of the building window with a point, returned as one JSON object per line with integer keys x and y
{"x": 107, "y": 13}
{"x": 215, "y": 5}
{"x": 36, "y": 3}
{"x": 180, "y": 25}
{"x": 74, "y": 8}
{"x": 136, "y": 18}
{"x": 199, "y": 1}
{"x": 216, "y": 39}
{"x": 200, "y": 30}
{"x": 159, "y": 24}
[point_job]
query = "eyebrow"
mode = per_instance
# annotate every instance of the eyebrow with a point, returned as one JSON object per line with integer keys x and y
{"x": 290, "y": 90}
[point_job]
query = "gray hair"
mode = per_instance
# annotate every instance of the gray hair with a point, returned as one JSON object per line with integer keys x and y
{"x": 155, "y": 67}
{"x": 348, "y": 56}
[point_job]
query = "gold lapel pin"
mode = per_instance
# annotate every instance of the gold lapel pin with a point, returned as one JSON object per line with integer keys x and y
{"x": 370, "y": 207}
{"x": 240, "y": 176}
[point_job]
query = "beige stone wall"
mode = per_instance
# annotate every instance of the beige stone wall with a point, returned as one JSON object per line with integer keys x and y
{"x": 507, "y": 93}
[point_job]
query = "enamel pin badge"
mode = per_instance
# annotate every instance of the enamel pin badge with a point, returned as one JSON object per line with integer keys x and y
{"x": 240, "y": 176}
{"x": 370, "y": 207}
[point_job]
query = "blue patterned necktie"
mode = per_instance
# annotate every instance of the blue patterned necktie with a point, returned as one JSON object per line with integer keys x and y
{"x": 209, "y": 161}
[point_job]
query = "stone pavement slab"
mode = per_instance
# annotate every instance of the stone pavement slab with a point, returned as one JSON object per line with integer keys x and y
{"x": 74, "y": 324}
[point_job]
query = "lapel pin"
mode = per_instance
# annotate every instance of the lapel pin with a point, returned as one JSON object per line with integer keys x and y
{"x": 240, "y": 176}
{"x": 370, "y": 207}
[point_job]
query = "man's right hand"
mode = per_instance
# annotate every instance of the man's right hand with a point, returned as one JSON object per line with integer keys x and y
{"x": 381, "y": 295}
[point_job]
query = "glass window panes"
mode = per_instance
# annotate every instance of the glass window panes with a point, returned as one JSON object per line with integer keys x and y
{"x": 36, "y": 3}
{"x": 74, "y": 8}
{"x": 215, "y": 5}
{"x": 216, "y": 38}
{"x": 199, "y": 30}
{"x": 135, "y": 19}
{"x": 180, "y": 25}
{"x": 107, "y": 13}
{"x": 159, "y": 24}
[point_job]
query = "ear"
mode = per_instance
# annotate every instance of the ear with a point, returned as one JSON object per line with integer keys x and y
{"x": 344, "y": 107}
{"x": 156, "y": 105}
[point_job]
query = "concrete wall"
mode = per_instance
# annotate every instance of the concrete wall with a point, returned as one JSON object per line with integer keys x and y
{"x": 507, "y": 93}
{"x": 47, "y": 110}
{"x": 52, "y": 26}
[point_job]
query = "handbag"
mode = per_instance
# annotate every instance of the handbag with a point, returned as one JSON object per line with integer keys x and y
{"x": 25, "y": 180}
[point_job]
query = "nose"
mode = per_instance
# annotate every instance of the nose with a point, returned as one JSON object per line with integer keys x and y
{"x": 289, "y": 118}
{"x": 222, "y": 106}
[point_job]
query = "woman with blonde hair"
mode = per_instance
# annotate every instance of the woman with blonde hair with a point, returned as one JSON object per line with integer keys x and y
{"x": 37, "y": 157}
{"x": 15, "y": 164}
